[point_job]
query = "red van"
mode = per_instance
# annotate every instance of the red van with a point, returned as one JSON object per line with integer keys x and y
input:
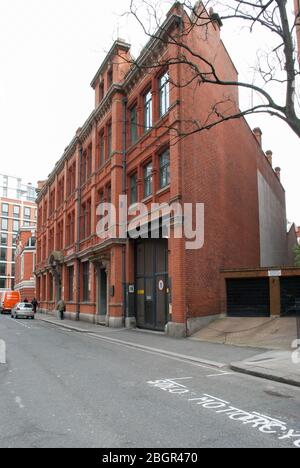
{"x": 8, "y": 301}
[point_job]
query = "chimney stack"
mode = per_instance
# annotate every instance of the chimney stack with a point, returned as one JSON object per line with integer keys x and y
{"x": 269, "y": 155}
{"x": 278, "y": 172}
{"x": 258, "y": 135}
{"x": 41, "y": 184}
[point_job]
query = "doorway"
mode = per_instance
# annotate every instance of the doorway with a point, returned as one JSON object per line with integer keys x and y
{"x": 102, "y": 296}
{"x": 151, "y": 283}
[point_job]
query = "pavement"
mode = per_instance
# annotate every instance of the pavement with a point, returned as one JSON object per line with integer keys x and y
{"x": 280, "y": 366}
{"x": 64, "y": 388}
{"x": 275, "y": 333}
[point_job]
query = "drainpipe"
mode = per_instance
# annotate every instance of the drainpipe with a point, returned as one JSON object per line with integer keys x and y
{"x": 78, "y": 235}
{"x": 124, "y": 165}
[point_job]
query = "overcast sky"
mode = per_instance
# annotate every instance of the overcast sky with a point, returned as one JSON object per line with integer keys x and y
{"x": 49, "y": 53}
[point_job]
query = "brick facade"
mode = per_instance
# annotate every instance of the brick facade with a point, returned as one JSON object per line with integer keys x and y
{"x": 220, "y": 168}
{"x": 25, "y": 263}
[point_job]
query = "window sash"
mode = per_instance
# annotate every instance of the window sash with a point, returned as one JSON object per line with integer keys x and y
{"x": 133, "y": 189}
{"x": 164, "y": 94}
{"x": 133, "y": 125}
{"x": 109, "y": 141}
{"x": 86, "y": 279}
{"x": 164, "y": 169}
{"x": 148, "y": 111}
{"x": 148, "y": 180}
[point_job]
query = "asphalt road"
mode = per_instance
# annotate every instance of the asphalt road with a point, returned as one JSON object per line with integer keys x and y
{"x": 65, "y": 389}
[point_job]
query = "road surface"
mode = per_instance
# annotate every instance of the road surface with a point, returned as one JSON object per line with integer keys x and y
{"x": 65, "y": 389}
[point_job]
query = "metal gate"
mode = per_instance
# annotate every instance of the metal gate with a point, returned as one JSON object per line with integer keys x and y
{"x": 152, "y": 283}
{"x": 290, "y": 296}
{"x": 249, "y": 297}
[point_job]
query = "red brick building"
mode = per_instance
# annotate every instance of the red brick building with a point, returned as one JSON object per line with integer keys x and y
{"x": 127, "y": 146}
{"x": 25, "y": 263}
{"x": 17, "y": 209}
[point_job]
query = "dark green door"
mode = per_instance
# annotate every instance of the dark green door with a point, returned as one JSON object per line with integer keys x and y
{"x": 152, "y": 283}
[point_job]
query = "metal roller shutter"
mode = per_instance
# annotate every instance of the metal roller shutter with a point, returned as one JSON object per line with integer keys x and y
{"x": 248, "y": 297}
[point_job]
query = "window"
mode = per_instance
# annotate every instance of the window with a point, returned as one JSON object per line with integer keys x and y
{"x": 148, "y": 111}
{"x": 27, "y": 213}
{"x": 86, "y": 281}
{"x": 2, "y": 283}
{"x": 101, "y": 91}
{"x": 110, "y": 77}
{"x": 31, "y": 243}
{"x": 27, "y": 224}
{"x": 89, "y": 161}
{"x": 86, "y": 219}
{"x": 83, "y": 168}
{"x": 16, "y": 212}
{"x": 108, "y": 193}
{"x": 71, "y": 283}
{"x": 45, "y": 212}
{"x": 164, "y": 94}
{"x": 133, "y": 188}
{"x": 60, "y": 192}
{"x": 164, "y": 169}
{"x": 133, "y": 125}
{"x": 13, "y": 255}
{"x": 3, "y": 239}
{"x": 4, "y": 209}
{"x": 4, "y": 224}
{"x": 3, "y": 254}
{"x": 60, "y": 235}
{"x": 52, "y": 201}
{"x": 101, "y": 149}
{"x": 109, "y": 140}
{"x": 148, "y": 180}
{"x": 2, "y": 269}
{"x": 51, "y": 241}
{"x": 16, "y": 226}
{"x": 71, "y": 229}
{"x": 14, "y": 239}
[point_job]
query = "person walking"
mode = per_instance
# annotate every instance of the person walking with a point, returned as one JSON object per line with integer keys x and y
{"x": 61, "y": 307}
{"x": 35, "y": 304}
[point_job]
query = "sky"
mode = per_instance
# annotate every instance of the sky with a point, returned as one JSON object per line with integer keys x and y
{"x": 49, "y": 52}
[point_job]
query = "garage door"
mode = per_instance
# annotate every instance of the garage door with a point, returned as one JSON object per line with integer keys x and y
{"x": 248, "y": 297}
{"x": 290, "y": 296}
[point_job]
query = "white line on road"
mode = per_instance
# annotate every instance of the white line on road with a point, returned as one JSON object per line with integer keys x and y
{"x": 2, "y": 352}
{"x": 19, "y": 403}
{"x": 221, "y": 375}
{"x": 19, "y": 323}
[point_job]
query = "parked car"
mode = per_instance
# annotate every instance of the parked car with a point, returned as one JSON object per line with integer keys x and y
{"x": 22, "y": 310}
{"x": 8, "y": 301}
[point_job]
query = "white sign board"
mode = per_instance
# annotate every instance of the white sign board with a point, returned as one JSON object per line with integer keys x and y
{"x": 275, "y": 273}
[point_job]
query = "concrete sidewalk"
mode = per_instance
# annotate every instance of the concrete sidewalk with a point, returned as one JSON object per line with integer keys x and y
{"x": 278, "y": 366}
{"x": 276, "y": 333}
